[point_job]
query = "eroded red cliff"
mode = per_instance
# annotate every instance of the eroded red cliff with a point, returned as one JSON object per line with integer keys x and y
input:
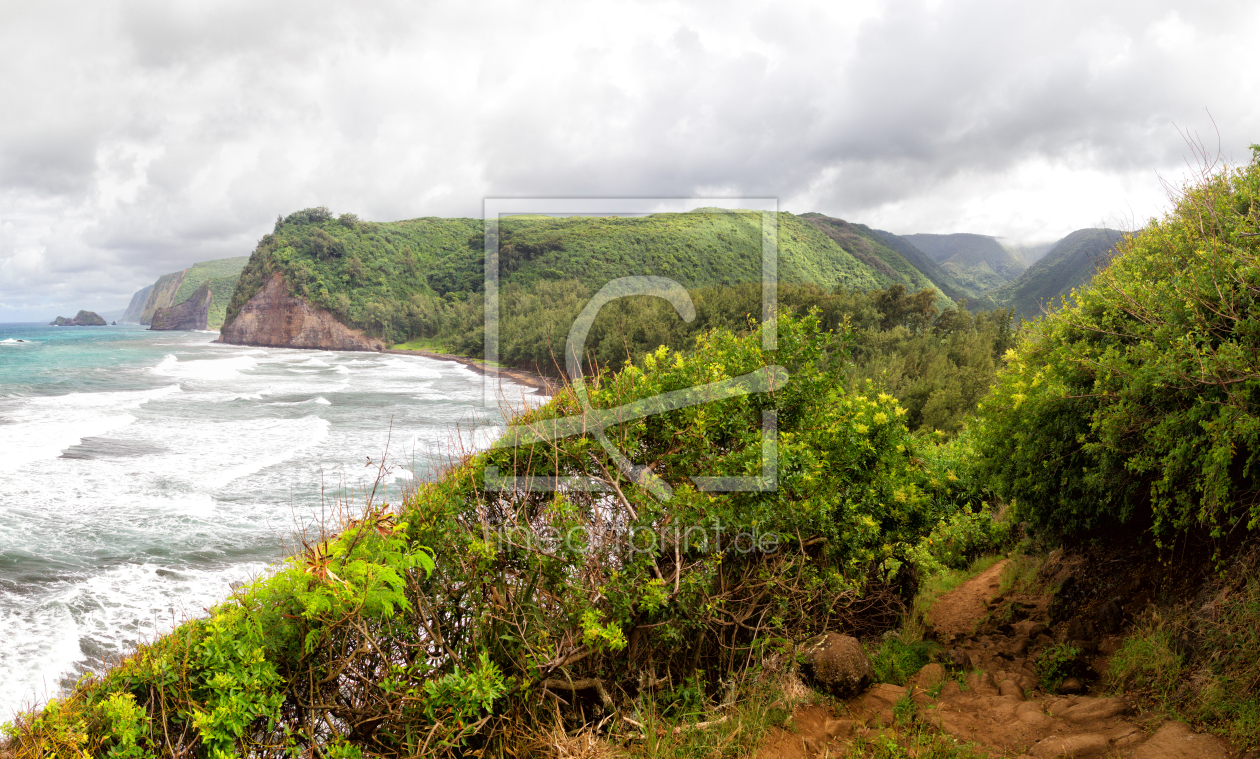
{"x": 275, "y": 318}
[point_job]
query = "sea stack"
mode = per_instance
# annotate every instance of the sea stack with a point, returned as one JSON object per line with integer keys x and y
{"x": 81, "y": 319}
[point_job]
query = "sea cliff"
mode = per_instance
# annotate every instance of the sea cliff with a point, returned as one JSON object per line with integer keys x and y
{"x": 275, "y": 318}
{"x": 193, "y": 313}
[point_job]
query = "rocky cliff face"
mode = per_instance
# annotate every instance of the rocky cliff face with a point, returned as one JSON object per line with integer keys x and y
{"x": 274, "y": 318}
{"x": 161, "y": 295}
{"x": 193, "y": 313}
{"x": 135, "y": 309}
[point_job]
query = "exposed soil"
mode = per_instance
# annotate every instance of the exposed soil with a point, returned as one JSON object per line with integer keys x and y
{"x": 985, "y": 689}
{"x": 957, "y": 612}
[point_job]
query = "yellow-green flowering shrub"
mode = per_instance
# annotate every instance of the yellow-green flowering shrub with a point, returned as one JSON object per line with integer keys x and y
{"x": 1140, "y": 401}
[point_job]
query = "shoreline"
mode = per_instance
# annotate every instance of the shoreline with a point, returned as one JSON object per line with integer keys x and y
{"x": 530, "y": 379}
{"x": 536, "y": 381}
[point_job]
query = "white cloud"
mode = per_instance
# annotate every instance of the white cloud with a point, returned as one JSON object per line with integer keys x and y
{"x": 143, "y": 136}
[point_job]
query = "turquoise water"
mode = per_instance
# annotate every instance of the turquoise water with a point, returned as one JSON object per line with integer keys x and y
{"x": 141, "y": 473}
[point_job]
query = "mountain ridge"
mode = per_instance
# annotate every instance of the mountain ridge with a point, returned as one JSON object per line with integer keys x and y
{"x": 1069, "y": 264}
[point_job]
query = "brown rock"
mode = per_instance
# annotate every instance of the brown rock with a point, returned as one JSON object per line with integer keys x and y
{"x": 838, "y": 728}
{"x": 1080, "y": 629}
{"x": 931, "y": 674}
{"x": 1090, "y": 709}
{"x": 837, "y": 664}
{"x": 982, "y": 683}
{"x": 1031, "y": 714}
{"x": 1079, "y": 746}
{"x": 1109, "y": 618}
{"x": 275, "y": 318}
{"x": 1175, "y": 740}
{"x": 1011, "y": 688}
{"x": 1071, "y": 685}
{"x": 960, "y": 660}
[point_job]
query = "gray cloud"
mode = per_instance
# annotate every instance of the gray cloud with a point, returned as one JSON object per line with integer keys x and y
{"x": 145, "y": 136}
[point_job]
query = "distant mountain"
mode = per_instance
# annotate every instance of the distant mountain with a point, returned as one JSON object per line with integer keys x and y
{"x": 978, "y": 262}
{"x": 135, "y": 309}
{"x": 1071, "y": 263}
{"x": 946, "y": 282}
{"x": 177, "y": 287}
{"x": 1031, "y": 253}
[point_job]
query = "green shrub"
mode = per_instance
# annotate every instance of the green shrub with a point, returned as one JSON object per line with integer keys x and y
{"x": 1056, "y": 664}
{"x": 1138, "y": 402}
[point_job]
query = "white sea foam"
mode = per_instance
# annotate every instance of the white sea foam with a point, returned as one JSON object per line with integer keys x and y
{"x": 47, "y": 634}
{"x": 415, "y": 367}
{"x": 45, "y": 426}
{"x": 218, "y": 369}
{"x": 193, "y": 484}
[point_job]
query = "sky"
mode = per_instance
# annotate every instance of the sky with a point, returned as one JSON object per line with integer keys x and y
{"x": 142, "y": 136}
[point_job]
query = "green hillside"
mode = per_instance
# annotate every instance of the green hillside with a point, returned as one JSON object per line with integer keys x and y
{"x": 869, "y": 248}
{"x": 412, "y": 279}
{"x": 944, "y": 280}
{"x": 978, "y": 262}
{"x": 176, "y": 287}
{"x": 1068, "y": 265}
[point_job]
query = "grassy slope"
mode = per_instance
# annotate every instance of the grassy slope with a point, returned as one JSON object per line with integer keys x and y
{"x": 977, "y": 261}
{"x": 369, "y": 274}
{"x": 1068, "y": 265}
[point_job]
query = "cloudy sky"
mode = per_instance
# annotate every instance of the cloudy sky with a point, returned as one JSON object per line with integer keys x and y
{"x": 140, "y": 137}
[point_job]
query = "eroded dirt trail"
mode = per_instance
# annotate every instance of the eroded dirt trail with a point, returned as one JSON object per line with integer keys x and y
{"x": 997, "y": 705}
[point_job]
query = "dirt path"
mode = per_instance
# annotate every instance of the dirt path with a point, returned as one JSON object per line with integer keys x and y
{"x": 990, "y": 697}
{"x": 957, "y": 612}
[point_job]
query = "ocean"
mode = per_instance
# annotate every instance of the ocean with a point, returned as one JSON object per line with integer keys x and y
{"x": 143, "y": 473}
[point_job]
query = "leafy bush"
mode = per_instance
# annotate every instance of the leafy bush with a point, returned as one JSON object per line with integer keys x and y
{"x": 1056, "y": 664}
{"x": 1138, "y": 402}
{"x": 450, "y": 624}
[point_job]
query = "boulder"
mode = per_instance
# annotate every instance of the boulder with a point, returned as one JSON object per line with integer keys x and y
{"x": 959, "y": 660}
{"x": 1110, "y": 618}
{"x": 931, "y": 674}
{"x": 837, "y": 664}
